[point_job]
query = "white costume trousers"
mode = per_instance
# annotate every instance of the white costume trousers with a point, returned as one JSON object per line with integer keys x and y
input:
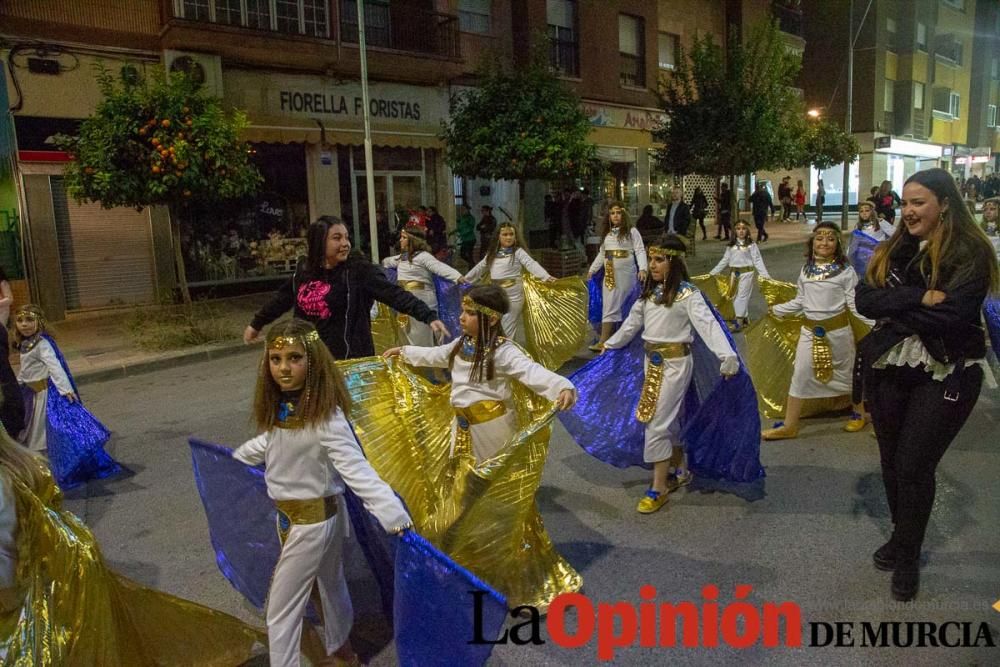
{"x": 513, "y": 326}
{"x": 312, "y": 553}
{"x": 418, "y": 333}
{"x": 613, "y": 300}
{"x": 743, "y": 291}
{"x": 663, "y": 429}
{"x": 804, "y": 382}
{"x": 33, "y": 436}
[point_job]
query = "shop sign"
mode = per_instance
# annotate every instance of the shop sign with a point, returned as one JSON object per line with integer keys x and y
{"x": 628, "y": 118}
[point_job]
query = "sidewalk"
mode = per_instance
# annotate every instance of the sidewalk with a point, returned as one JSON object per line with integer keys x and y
{"x": 98, "y": 346}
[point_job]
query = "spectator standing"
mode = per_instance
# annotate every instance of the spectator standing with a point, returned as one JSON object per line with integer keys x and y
{"x": 785, "y": 198}
{"x": 699, "y": 209}
{"x": 466, "y": 228}
{"x": 886, "y": 202}
{"x": 486, "y": 227}
{"x": 649, "y": 225}
{"x": 437, "y": 236}
{"x": 724, "y": 205}
{"x": 800, "y": 201}
{"x": 820, "y": 200}
{"x": 760, "y": 205}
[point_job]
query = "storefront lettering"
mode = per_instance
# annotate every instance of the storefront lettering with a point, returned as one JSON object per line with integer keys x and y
{"x": 322, "y": 103}
{"x": 631, "y": 119}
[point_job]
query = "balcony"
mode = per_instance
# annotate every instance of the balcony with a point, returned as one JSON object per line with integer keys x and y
{"x": 632, "y": 70}
{"x": 402, "y": 27}
{"x": 564, "y": 56}
{"x": 789, "y": 17}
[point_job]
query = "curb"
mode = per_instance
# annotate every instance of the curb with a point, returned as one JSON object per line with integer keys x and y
{"x": 177, "y": 358}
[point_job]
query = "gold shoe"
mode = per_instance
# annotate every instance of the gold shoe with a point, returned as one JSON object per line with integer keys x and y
{"x": 855, "y": 423}
{"x": 780, "y": 433}
{"x": 596, "y": 347}
{"x": 677, "y": 480}
{"x": 652, "y": 501}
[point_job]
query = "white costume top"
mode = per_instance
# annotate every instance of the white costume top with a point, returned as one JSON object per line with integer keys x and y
{"x": 880, "y": 232}
{"x": 819, "y": 297}
{"x": 510, "y": 267}
{"x": 613, "y": 241}
{"x": 315, "y": 462}
{"x": 421, "y": 267}
{"x": 674, "y": 324}
{"x": 8, "y": 526}
{"x": 509, "y": 362}
{"x": 39, "y": 363}
{"x": 738, "y": 257}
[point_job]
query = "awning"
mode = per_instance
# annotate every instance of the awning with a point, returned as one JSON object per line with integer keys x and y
{"x": 307, "y": 131}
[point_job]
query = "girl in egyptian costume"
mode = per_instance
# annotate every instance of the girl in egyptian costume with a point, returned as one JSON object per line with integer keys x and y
{"x": 612, "y": 292}
{"x": 57, "y": 424}
{"x": 60, "y": 604}
{"x": 814, "y": 326}
{"x": 677, "y": 374}
{"x": 311, "y": 457}
{"x": 416, "y": 270}
{"x": 547, "y": 315}
{"x": 742, "y": 259}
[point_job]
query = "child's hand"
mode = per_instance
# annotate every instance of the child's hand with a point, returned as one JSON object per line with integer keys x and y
{"x": 250, "y": 335}
{"x": 462, "y": 281}
{"x": 392, "y": 352}
{"x": 551, "y": 279}
{"x": 566, "y": 400}
{"x": 933, "y": 297}
{"x": 642, "y": 276}
{"x": 441, "y": 332}
{"x": 402, "y": 529}
{"x": 70, "y": 396}
{"x": 730, "y": 367}
{"x": 590, "y": 274}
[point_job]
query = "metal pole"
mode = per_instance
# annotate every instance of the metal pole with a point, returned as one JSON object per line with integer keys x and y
{"x": 369, "y": 161}
{"x": 850, "y": 101}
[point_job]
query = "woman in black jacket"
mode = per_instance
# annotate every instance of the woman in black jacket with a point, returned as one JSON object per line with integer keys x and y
{"x": 335, "y": 291}
{"x": 922, "y": 366}
{"x": 699, "y": 209}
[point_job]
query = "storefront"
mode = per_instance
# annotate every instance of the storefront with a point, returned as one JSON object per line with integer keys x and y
{"x": 317, "y": 125}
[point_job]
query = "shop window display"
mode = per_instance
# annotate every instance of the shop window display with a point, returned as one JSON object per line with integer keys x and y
{"x": 257, "y": 238}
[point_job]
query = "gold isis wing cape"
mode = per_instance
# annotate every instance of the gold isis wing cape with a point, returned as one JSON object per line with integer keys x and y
{"x": 720, "y": 291}
{"x": 555, "y": 319}
{"x": 770, "y": 354}
{"x": 69, "y": 608}
{"x": 483, "y": 516}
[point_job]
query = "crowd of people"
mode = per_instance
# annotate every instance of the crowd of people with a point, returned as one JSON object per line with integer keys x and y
{"x": 899, "y": 339}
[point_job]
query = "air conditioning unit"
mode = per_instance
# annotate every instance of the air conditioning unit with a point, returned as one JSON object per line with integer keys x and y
{"x": 203, "y": 67}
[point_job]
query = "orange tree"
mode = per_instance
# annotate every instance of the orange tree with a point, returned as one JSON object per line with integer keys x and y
{"x": 519, "y": 123}
{"x": 159, "y": 141}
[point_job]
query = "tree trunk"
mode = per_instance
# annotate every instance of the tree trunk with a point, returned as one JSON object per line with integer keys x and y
{"x": 175, "y": 233}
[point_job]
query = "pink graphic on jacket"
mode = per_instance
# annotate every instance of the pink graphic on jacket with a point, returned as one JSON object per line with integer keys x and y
{"x": 312, "y": 299}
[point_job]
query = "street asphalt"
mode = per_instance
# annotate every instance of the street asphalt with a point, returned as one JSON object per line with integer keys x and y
{"x": 808, "y": 540}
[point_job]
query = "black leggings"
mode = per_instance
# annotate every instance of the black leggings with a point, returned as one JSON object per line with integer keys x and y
{"x": 759, "y": 221}
{"x": 915, "y": 423}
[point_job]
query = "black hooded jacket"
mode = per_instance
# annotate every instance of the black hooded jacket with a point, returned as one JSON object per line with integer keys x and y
{"x": 338, "y": 302}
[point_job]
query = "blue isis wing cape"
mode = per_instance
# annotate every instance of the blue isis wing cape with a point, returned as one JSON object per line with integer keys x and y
{"x": 75, "y": 438}
{"x": 720, "y": 423}
{"x": 859, "y": 251}
{"x": 241, "y": 522}
{"x": 431, "y": 629}
{"x": 595, "y": 287}
{"x": 449, "y": 297}
{"x": 991, "y": 313}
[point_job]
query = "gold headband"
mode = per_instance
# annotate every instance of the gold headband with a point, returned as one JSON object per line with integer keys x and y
{"x": 655, "y": 250}
{"x": 30, "y": 309}
{"x": 472, "y": 305}
{"x": 279, "y": 342}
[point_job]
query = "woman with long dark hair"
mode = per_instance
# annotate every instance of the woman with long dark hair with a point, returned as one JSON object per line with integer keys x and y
{"x": 922, "y": 366}
{"x": 335, "y": 290}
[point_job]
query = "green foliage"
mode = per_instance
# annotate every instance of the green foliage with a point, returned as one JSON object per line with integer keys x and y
{"x": 826, "y": 144}
{"x": 158, "y": 141}
{"x": 733, "y": 110}
{"x": 518, "y": 124}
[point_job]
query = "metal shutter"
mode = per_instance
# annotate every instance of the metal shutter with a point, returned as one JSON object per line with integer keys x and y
{"x": 106, "y": 254}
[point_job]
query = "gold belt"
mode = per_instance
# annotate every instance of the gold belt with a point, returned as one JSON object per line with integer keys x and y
{"x": 656, "y": 353}
{"x": 309, "y": 510}
{"x": 411, "y": 285}
{"x": 609, "y": 265}
{"x": 38, "y": 386}
{"x": 822, "y": 353}
{"x": 477, "y": 413}
{"x": 616, "y": 254}
{"x": 507, "y": 282}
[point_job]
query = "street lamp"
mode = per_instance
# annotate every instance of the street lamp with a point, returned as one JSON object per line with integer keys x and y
{"x": 814, "y": 113}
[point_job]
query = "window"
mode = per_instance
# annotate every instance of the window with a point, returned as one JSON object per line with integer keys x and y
{"x": 474, "y": 16}
{"x": 949, "y": 49}
{"x": 955, "y": 4}
{"x": 941, "y": 102}
{"x": 890, "y": 29}
{"x": 918, "y": 95}
{"x": 991, "y": 115}
{"x": 890, "y": 94}
{"x": 298, "y": 17}
{"x": 668, "y": 50}
{"x": 564, "y": 48}
{"x": 632, "y": 71}
{"x": 954, "y": 105}
{"x": 921, "y": 36}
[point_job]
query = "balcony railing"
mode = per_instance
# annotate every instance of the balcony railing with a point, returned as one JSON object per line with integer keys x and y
{"x": 397, "y": 25}
{"x": 789, "y": 17}
{"x": 564, "y": 56}
{"x": 632, "y": 70}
